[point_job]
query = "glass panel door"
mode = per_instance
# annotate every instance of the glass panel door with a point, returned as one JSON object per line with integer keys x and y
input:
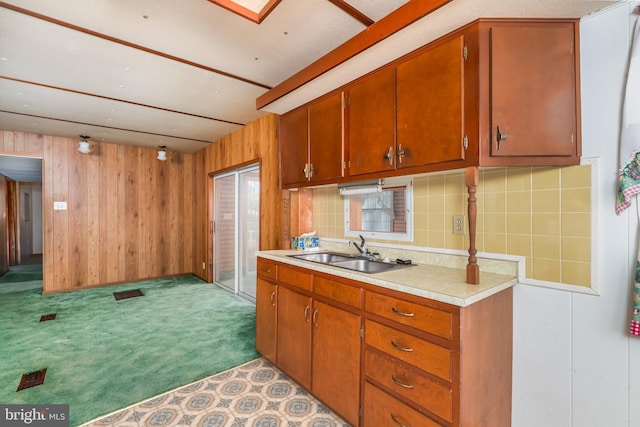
{"x": 249, "y": 225}
{"x": 237, "y": 230}
{"x": 224, "y": 248}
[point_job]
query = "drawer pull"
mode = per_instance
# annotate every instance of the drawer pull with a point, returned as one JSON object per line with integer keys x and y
{"x": 266, "y": 270}
{"x": 395, "y": 420}
{"x": 399, "y": 347}
{"x": 401, "y": 313}
{"x": 273, "y": 294}
{"x": 400, "y": 383}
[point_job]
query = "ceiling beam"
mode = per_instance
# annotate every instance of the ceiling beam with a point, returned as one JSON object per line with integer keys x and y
{"x": 402, "y": 17}
{"x": 355, "y": 13}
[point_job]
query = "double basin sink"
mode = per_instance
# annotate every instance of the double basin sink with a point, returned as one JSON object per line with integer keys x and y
{"x": 351, "y": 262}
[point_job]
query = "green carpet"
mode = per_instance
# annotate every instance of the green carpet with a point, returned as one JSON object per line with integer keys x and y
{"x": 102, "y": 355}
{"x": 22, "y": 273}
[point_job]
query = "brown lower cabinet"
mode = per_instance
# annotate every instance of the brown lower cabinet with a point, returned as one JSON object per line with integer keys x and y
{"x": 379, "y": 357}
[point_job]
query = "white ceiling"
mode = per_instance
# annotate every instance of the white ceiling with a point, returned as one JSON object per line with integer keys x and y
{"x": 186, "y": 73}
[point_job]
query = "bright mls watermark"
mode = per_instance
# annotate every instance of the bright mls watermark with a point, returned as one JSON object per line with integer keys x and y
{"x": 34, "y": 415}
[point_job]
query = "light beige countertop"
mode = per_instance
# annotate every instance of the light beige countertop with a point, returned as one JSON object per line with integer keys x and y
{"x": 436, "y": 282}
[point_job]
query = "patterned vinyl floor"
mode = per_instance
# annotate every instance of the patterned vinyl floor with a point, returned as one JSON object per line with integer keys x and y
{"x": 255, "y": 394}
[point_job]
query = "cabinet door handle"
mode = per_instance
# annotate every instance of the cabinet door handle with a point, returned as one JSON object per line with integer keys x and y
{"x": 401, "y": 313}
{"x": 399, "y": 347}
{"x": 314, "y": 317}
{"x": 306, "y": 313}
{"x": 271, "y": 298}
{"x": 311, "y": 170}
{"x": 395, "y": 420}
{"x": 500, "y": 136}
{"x": 400, "y": 153}
{"x": 389, "y": 156}
{"x": 400, "y": 383}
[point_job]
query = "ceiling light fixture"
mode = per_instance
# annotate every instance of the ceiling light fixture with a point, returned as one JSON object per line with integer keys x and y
{"x": 162, "y": 154}
{"x": 83, "y": 145}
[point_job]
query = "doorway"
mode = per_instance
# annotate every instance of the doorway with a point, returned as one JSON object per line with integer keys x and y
{"x": 21, "y": 219}
{"x": 236, "y": 230}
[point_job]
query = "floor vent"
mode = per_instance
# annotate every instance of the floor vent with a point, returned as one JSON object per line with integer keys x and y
{"x": 46, "y": 317}
{"x": 32, "y": 379}
{"x": 127, "y": 294}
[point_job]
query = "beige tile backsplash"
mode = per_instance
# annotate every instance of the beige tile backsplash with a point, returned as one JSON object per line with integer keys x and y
{"x": 540, "y": 213}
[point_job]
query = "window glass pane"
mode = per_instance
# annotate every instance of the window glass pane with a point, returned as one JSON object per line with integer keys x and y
{"x": 381, "y": 215}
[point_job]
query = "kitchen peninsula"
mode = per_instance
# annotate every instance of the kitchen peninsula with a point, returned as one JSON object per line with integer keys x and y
{"x": 410, "y": 346}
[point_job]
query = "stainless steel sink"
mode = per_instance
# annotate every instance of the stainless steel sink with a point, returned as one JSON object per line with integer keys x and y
{"x": 367, "y": 266}
{"x": 350, "y": 262}
{"x": 324, "y": 257}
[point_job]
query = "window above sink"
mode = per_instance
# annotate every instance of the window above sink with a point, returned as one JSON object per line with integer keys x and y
{"x": 385, "y": 214}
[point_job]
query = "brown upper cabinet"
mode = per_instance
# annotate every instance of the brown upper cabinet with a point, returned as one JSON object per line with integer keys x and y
{"x": 501, "y": 92}
{"x": 311, "y": 143}
{"x": 371, "y": 123}
{"x": 533, "y": 93}
{"x": 430, "y": 106}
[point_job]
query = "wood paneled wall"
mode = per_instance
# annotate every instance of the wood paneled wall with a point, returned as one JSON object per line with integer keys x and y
{"x": 4, "y": 239}
{"x": 129, "y": 216}
{"x": 256, "y": 142}
{"x": 21, "y": 143}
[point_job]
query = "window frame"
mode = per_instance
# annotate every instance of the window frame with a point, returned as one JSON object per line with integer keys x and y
{"x": 407, "y": 235}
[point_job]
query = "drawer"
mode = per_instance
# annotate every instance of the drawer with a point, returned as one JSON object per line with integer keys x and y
{"x": 337, "y": 291}
{"x": 415, "y": 351}
{"x": 419, "y": 389}
{"x": 428, "y": 319}
{"x": 383, "y": 410}
{"x": 267, "y": 269}
{"x": 294, "y": 277}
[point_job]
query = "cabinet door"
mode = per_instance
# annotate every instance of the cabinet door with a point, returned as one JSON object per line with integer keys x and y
{"x": 533, "y": 90}
{"x": 294, "y": 335}
{"x": 294, "y": 152}
{"x": 430, "y": 106}
{"x": 266, "y": 312}
{"x": 371, "y": 124}
{"x": 325, "y": 138}
{"x": 336, "y": 359}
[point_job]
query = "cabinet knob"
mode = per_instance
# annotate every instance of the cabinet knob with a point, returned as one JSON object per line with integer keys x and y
{"x": 389, "y": 156}
{"x": 308, "y": 170}
{"x": 400, "y": 153}
{"x": 500, "y": 136}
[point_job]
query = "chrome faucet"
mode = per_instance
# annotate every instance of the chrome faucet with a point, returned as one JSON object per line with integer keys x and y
{"x": 363, "y": 245}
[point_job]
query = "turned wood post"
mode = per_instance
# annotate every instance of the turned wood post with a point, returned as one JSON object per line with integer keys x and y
{"x": 471, "y": 181}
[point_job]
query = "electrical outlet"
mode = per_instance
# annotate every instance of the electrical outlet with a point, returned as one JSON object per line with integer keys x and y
{"x": 458, "y": 224}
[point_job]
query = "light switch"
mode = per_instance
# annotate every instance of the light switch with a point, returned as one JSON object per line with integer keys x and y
{"x": 59, "y": 206}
